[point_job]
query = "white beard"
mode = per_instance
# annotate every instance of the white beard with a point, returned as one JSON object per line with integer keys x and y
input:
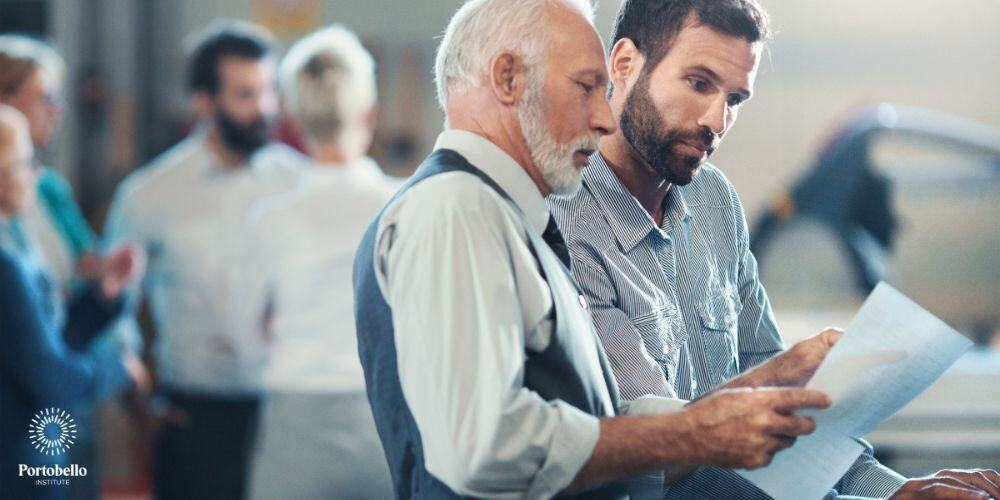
{"x": 554, "y": 161}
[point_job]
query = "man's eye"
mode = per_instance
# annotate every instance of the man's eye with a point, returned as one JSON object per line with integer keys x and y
{"x": 586, "y": 88}
{"x": 698, "y": 84}
{"x": 735, "y": 100}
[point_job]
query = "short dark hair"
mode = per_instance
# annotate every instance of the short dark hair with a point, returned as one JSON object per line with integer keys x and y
{"x": 221, "y": 39}
{"x": 653, "y": 25}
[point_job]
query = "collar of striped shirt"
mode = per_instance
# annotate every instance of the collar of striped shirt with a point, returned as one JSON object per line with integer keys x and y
{"x": 628, "y": 219}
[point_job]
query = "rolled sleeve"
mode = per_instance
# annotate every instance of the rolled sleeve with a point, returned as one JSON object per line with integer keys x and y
{"x": 572, "y": 444}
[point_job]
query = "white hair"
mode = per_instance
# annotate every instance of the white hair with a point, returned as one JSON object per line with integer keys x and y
{"x": 481, "y": 29}
{"x": 327, "y": 80}
{"x": 20, "y": 55}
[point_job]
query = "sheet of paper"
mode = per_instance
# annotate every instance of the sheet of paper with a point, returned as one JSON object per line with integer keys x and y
{"x": 890, "y": 352}
{"x": 808, "y": 470}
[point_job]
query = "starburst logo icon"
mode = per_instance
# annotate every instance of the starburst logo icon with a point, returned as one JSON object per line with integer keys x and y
{"x": 52, "y": 431}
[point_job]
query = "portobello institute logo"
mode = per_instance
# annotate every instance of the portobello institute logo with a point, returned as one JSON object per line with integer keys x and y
{"x": 52, "y": 431}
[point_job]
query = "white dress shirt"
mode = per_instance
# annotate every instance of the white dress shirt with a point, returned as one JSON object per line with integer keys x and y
{"x": 189, "y": 213}
{"x": 468, "y": 302}
{"x": 301, "y": 247}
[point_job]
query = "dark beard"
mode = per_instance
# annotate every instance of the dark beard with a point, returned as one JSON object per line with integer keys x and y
{"x": 241, "y": 139}
{"x": 642, "y": 125}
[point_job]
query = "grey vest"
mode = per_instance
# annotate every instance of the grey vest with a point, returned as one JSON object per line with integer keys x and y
{"x": 567, "y": 369}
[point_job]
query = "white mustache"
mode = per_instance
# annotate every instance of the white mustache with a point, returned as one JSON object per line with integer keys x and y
{"x": 586, "y": 141}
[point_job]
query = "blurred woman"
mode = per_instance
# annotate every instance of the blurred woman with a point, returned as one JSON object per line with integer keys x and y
{"x": 42, "y": 367}
{"x": 31, "y": 80}
{"x": 317, "y": 436}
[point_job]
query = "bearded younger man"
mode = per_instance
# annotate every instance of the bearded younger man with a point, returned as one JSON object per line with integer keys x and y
{"x": 659, "y": 240}
{"x": 481, "y": 364}
{"x": 188, "y": 209}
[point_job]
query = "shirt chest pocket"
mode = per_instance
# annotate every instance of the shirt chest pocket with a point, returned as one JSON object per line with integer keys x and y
{"x": 661, "y": 332}
{"x": 718, "y": 314}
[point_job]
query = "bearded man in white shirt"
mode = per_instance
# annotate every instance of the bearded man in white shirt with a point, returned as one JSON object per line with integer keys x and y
{"x": 188, "y": 208}
{"x": 317, "y": 436}
{"x": 482, "y": 367}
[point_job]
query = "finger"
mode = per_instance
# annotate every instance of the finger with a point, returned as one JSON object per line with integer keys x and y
{"x": 756, "y": 461}
{"x": 831, "y": 335}
{"x": 992, "y": 475}
{"x": 980, "y": 480}
{"x": 939, "y": 491}
{"x": 778, "y": 443}
{"x": 954, "y": 479}
{"x": 793, "y": 426}
{"x": 787, "y": 400}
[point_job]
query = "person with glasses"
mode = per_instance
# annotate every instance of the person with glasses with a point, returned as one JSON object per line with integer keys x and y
{"x": 31, "y": 80}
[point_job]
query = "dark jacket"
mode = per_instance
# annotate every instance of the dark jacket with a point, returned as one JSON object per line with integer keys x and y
{"x": 41, "y": 368}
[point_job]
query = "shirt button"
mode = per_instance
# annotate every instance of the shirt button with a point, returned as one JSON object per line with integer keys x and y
{"x": 666, "y": 349}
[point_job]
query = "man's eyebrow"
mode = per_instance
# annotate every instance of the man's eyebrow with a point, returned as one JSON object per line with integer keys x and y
{"x": 595, "y": 74}
{"x": 712, "y": 75}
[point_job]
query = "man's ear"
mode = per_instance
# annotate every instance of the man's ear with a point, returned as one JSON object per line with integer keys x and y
{"x": 625, "y": 63}
{"x": 371, "y": 116}
{"x": 507, "y": 78}
{"x": 202, "y": 103}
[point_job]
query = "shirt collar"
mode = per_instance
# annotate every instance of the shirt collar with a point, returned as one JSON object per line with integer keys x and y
{"x": 322, "y": 174}
{"x": 629, "y": 221}
{"x": 675, "y": 207}
{"x": 210, "y": 165}
{"x": 500, "y": 167}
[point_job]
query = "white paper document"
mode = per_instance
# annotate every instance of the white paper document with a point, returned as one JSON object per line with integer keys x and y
{"x": 890, "y": 352}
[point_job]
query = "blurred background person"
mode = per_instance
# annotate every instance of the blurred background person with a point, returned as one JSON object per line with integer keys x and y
{"x": 46, "y": 362}
{"x": 31, "y": 81}
{"x": 187, "y": 209}
{"x": 317, "y": 436}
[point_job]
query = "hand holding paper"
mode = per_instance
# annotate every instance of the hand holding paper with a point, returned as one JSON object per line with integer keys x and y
{"x": 890, "y": 353}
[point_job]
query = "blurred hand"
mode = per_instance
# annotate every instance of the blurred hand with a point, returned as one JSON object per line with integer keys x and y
{"x": 119, "y": 269}
{"x": 89, "y": 266}
{"x": 153, "y": 413}
{"x": 137, "y": 371}
{"x": 744, "y": 428}
{"x": 979, "y": 484}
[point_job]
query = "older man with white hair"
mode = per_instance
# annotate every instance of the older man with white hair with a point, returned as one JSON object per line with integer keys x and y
{"x": 317, "y": 436}
{"x": 483, "y": 371}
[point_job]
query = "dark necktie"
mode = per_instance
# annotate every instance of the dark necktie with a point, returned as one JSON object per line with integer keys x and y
{"x": 554, "y": 238}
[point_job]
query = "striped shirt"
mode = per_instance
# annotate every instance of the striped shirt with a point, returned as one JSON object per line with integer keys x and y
{"x": 679, "y": 305}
